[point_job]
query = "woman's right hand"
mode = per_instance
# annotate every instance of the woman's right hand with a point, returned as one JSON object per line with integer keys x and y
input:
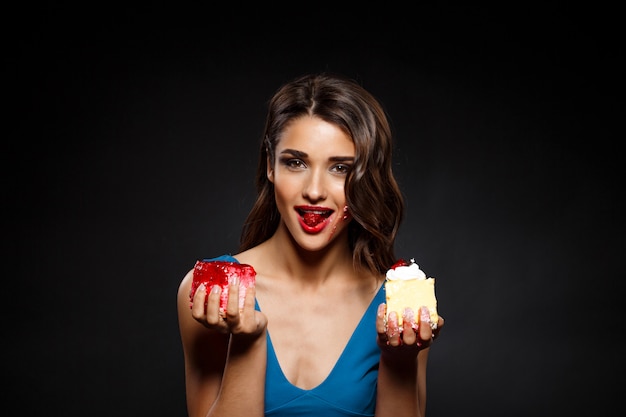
{"x": 247, "y": 321}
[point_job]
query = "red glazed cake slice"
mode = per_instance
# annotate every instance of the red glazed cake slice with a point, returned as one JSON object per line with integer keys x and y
{"x": 406, "y": 286}
{"x": 211, "y": 273}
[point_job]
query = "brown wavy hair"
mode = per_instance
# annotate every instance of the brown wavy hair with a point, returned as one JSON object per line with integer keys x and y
{"x": 372, "y": 193}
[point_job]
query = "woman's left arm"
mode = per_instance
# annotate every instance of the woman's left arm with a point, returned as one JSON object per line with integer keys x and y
{"x": 403, "y": 362}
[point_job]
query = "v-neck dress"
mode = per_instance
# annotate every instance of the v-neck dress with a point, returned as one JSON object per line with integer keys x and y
{"x": 349, "y": 389}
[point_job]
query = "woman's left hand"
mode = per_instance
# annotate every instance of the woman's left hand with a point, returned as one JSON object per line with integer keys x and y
{"x": 415, "y": 334}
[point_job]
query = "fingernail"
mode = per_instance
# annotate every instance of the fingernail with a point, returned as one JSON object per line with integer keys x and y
{"x": 393, "y": 318}
{"x": 381, "y": 311}
{"x": 215, "y": 289}
{"x": 408, "y": 315}
{"x": 233, "y": 280}
{"x": 424, "y": 315}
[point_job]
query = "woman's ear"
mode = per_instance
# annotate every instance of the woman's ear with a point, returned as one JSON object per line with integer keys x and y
{"x": 270, "y": 170}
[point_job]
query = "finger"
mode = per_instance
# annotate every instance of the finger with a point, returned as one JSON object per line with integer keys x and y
{"x": 424, "y": 329}
{"x": 232, "y": 305}
{"x": 198, "y": 306}
{"x": 247, "y": 315}
{"x": 249, "y": 300}
{"x": 440, "y": 324}
{"x": 408, "y": 327}
{"x": 213, "y": 316}
{"x": 393, "y": 330}
{"x": 381, "y": 323}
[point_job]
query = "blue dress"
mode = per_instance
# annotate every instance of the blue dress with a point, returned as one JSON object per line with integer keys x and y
{"x": 349, "y": 389}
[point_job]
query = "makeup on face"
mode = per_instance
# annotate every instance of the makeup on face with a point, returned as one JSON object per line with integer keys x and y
{"x": 314, "y": 158}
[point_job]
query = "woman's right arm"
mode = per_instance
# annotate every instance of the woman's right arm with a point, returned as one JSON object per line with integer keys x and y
{"x": 224, "y": 362}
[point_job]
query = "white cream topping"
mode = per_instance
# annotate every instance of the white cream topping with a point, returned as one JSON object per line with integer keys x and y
{"x": 411, "y": 271}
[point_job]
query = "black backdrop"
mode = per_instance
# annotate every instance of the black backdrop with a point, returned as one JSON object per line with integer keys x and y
{"x": 130, "y": 147}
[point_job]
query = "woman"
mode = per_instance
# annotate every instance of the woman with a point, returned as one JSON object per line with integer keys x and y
{"x": 313, "y": 338}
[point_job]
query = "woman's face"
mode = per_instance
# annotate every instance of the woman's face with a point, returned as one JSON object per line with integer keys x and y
{"x": 313, "y": 158}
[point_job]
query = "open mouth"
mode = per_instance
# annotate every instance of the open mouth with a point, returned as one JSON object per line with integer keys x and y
{"x": 314, "y": 217}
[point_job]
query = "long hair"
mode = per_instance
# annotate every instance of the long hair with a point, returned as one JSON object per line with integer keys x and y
{"x": 372, "y": 193}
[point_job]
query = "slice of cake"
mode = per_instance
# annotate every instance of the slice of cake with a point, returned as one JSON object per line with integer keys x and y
{"x": 211, "y": 273}
{"x": 406, "y": 286}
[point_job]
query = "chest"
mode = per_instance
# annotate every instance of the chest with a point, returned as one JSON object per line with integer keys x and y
{"x": 309, "y": 330}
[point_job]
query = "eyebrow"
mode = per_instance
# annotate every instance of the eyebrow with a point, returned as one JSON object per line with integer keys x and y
{"x": 293, "y": 152}
{"x": 300, "y": 154}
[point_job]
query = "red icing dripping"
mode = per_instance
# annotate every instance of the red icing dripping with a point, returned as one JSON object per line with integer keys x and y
{"x": 218, "y": 273}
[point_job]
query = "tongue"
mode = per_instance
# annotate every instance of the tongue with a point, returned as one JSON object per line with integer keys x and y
{"x": 312, "y": 219}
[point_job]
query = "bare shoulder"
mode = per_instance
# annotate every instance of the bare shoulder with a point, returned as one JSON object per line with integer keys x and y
{"x": 185, "y": 287}
{"x": 183, "y": 301}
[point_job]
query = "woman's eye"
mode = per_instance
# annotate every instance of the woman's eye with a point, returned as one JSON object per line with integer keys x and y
{"x": 294, "y": 163}
{"x": 341, "y": 168}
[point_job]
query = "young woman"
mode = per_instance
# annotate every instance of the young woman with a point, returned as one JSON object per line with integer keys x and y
{"x": 313, "y": 338}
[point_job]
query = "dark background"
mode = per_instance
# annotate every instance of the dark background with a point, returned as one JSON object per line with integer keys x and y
{"x": 129, "y": 150}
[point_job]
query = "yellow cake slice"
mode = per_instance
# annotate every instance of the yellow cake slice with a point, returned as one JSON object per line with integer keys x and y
{"x": 406, "y": 286}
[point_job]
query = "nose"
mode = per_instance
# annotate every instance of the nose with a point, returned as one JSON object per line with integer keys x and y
{"x": 315, "y": 188}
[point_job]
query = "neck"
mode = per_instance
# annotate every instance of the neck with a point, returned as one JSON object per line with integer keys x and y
{"x": 312, "y": 266}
